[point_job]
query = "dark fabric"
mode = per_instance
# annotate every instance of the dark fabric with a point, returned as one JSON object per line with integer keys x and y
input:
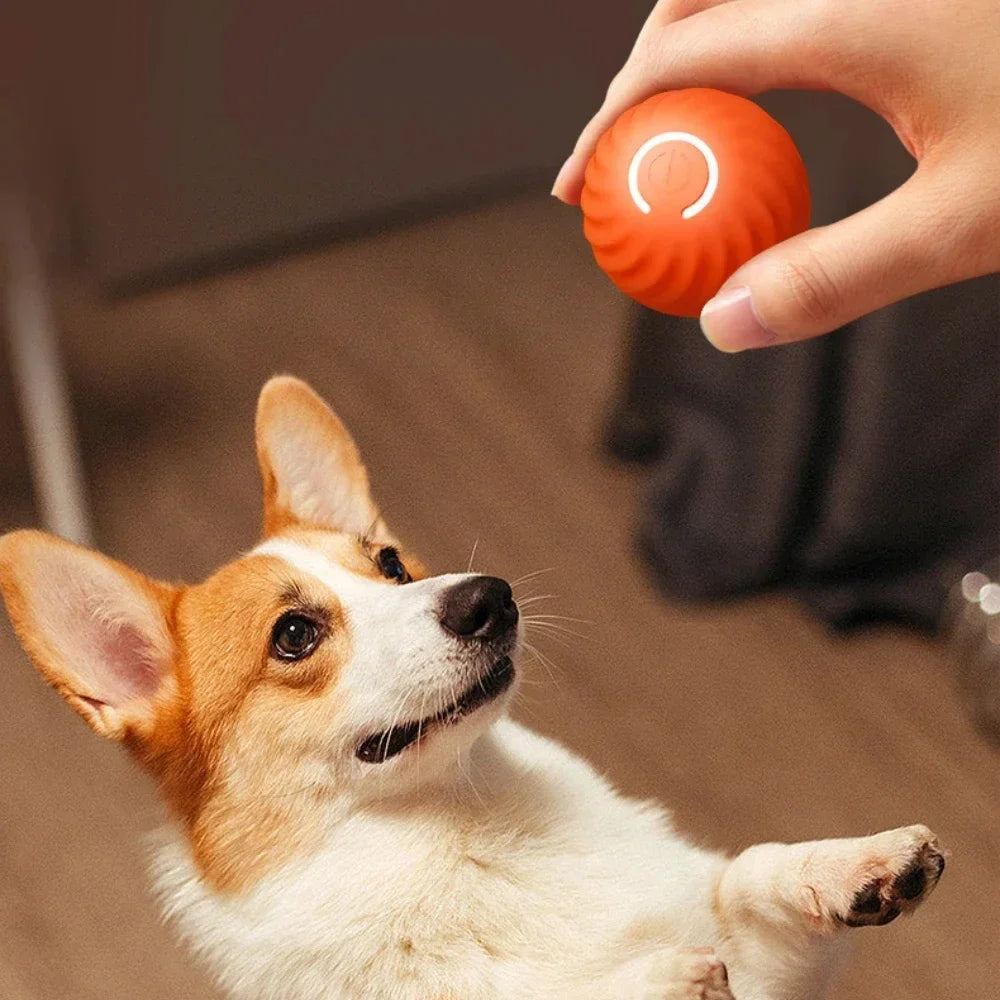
{"x": 862, "y": 469}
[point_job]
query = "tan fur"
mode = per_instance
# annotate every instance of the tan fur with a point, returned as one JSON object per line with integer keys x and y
{"x": 524, "y": 876}
{"x": 236, "y": 719}
{"x": 217, "y": 734}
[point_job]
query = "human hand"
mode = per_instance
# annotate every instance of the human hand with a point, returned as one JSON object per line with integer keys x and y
{"x": 931, "y": 68}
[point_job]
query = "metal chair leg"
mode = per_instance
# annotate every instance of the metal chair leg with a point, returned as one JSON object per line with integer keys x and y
{"x": 41, "y": 387}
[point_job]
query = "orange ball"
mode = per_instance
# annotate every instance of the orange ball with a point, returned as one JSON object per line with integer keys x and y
{"x": 683, "y": 189}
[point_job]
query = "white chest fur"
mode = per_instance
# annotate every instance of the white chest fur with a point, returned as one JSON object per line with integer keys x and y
{"x": 530, "y": 879}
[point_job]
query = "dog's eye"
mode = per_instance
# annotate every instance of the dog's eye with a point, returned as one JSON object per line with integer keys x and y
{"x": 294, "y": 636}
{"x": 390, "y": 566}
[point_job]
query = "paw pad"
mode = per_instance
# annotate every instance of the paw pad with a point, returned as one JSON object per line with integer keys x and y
{"x": 691, "y": 974}
{"x": 882, "y": 899}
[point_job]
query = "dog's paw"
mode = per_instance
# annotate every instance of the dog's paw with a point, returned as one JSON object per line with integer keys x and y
{"x": 871, "y": 880}
{"x": 687, "y": 974}
{"x": 903, "y": 869}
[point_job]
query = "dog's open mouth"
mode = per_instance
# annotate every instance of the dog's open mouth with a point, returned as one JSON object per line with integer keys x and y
{"x": 378, "y": 748}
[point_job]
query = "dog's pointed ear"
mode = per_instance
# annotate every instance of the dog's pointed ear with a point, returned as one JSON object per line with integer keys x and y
{"x": 310, "y": 466}
{"x": 97, "y": 631}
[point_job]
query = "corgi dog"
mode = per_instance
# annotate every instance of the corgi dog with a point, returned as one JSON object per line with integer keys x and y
{"x": 352, "y": 814}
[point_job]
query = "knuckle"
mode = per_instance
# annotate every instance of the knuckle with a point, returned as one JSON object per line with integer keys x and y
{"x": 822, "y": 13}
{"x": 616, "y": 84}
{"x": 824, "y": 18}
{"x": 650, "y": 59}
{"x": 667, "y": 11}
{"x": 811, "y": 288}
{"x": 971, "y": 222}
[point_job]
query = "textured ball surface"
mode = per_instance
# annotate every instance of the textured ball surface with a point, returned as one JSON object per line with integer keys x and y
{"x": 686, "y": 187}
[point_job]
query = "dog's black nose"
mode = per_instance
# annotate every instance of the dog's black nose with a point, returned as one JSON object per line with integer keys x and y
{"x": 481, "y": 607}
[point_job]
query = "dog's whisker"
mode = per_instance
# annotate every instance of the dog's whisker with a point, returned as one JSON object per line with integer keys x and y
{"x": 558, "y": 632}
{"x": 420, "y": 730}
{"x": 544, "y": 660}
{"x": 547, "y": 664}
{"x": 553, "y": 621}
{"x": 271, "y": 796}
{"x": 544, "y": 622}
{"x": 397, "y": 712}
{"x": 524, "y": 602}
{"x": 563, "y": 618}
{"x": 530, "y": 576}
{"x": 562, "y": 641}
{"x": 467, "y": 776}
{"x": 530, "y": 682}
{"x": 472, "y": 554}
{"x": 529, "y": 710}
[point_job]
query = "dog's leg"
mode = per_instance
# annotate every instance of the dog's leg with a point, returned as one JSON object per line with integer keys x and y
{"x": 779, "y": 906}
{"x": 670, "y": 974}
{"x": 828, "y": 884}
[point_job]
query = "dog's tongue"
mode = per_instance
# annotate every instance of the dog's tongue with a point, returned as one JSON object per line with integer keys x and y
{"x": 380, "y": 747}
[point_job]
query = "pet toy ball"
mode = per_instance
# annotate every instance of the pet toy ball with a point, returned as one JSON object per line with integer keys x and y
{"x": 683, "y": 189}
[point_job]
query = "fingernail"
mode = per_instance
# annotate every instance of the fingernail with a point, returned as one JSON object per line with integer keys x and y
{"x": 563, "y": 170}
{"x": 731, "y": 323}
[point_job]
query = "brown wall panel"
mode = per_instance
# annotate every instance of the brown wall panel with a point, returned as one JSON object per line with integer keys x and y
{"x": 202, "y": 128}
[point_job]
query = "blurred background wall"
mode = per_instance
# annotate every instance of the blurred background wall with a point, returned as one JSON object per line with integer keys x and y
{"x": 172, "y": 134}
{"x": 219, "y": 191}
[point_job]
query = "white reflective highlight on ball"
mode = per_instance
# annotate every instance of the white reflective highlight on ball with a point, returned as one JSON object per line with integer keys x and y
{"x": 658, "y": 140}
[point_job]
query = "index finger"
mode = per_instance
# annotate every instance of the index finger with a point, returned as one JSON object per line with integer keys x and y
{"x": 743, "y": 46}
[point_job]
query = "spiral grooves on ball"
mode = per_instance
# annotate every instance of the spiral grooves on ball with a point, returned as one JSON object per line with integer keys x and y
{"x": 674, "y": 264}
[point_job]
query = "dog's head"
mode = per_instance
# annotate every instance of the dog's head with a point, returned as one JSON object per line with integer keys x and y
{"x": 319, "y": 670}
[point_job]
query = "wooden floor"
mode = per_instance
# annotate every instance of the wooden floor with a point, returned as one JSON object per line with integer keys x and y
{"x": 472, "y": 357}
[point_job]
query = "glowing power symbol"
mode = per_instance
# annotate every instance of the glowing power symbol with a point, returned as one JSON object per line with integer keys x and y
{"x": 658, "y": 140}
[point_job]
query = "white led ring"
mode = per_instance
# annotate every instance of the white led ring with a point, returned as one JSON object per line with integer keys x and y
{"x": 658, "y": 140}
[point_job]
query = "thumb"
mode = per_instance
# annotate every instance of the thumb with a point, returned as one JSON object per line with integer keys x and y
{"x": 906, "y": 243}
